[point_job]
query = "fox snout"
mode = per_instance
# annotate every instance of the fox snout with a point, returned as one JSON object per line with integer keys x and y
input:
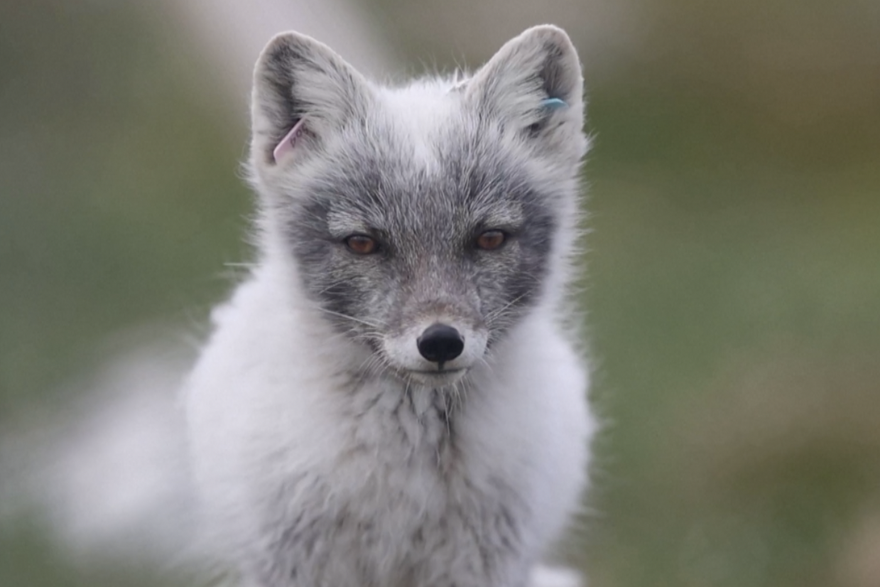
{"x": 436, "y": 347}
{"x": 440, "y": 343}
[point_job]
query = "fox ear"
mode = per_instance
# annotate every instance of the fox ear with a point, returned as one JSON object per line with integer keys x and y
{"x": 534, "y": 86}
{"x": 303, "y": 91}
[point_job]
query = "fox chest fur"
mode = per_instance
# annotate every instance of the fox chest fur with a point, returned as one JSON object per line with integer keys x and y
{"x": 398, "y": 504}
{"x": 315, "y": 476}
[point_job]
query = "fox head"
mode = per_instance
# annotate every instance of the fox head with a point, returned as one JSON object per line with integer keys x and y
{"x": 424, "y": 222}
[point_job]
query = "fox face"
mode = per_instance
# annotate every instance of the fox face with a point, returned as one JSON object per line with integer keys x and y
{"x": 425, "y": 221}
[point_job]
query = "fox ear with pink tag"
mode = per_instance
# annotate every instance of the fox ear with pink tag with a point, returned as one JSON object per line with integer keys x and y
{"x": 303, "y": 92}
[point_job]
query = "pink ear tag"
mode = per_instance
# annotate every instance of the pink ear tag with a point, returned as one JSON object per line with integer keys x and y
{"x": 289, "y": 141}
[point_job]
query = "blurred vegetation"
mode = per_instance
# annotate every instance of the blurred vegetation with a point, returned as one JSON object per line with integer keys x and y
{"x": 735, "y": 299}
{"x": 734, "y": 266}
{"x": 119, "y": 195}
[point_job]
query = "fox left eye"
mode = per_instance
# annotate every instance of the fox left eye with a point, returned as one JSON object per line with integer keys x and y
{"x": 491, "y": 240}
{"x": 361, "y": 244}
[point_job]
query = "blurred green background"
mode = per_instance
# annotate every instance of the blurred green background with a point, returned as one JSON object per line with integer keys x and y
{"x": 733, "y": 287}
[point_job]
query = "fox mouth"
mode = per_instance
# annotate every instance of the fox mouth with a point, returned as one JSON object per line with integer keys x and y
{"x": 435, "y": 377}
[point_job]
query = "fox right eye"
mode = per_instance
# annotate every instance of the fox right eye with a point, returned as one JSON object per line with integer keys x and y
{"x": 361, "y": 244}
{"x": 491, "y": 240}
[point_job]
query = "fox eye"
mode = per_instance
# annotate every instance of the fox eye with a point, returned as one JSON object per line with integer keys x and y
{"x": 491, "y": 240}
{"x": 361, "y": 244}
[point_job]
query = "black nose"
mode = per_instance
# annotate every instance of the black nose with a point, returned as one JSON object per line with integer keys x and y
{"x": 440, "y": 343}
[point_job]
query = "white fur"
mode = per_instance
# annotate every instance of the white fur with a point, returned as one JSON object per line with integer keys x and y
{"x": 278, "y": 434}
{"x": 263, "y": 404}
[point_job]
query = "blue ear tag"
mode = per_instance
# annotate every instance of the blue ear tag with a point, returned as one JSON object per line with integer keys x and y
{"x": 553, "y": 103}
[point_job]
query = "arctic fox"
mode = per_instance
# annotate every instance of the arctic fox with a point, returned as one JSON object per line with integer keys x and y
{"x": 394, "y": 397}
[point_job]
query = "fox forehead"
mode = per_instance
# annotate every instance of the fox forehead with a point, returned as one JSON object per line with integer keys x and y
{"x": 366, "y": 185}
{"x": 438, "y": 162}
{"x": 416, "y": 115}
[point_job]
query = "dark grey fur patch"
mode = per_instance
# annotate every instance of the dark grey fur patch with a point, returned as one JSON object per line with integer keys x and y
{"x": 426, "y": 221}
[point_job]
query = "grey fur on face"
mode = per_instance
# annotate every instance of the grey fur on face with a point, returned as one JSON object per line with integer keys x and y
{"x": 426, "y": 221}
{"x": 424, "y": 187}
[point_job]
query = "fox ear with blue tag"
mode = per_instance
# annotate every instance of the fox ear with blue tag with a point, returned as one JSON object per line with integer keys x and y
{"x": 533, "y": 87}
